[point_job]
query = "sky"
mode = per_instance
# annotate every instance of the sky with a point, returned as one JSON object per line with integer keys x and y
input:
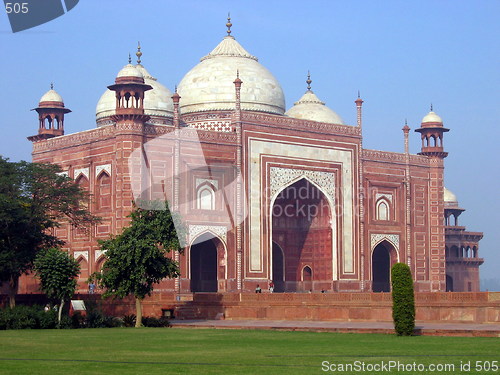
{"x": 401, "y": 55}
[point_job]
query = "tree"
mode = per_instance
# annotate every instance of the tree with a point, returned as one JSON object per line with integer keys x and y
{"x": 403, "y": 300}
{"x": 137, "y": 258}
{"x": 57, "y": 272}
{"x": 34, "y": 200}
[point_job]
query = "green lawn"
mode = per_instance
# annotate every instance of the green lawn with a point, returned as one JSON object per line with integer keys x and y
{"x": 205, "y": 351}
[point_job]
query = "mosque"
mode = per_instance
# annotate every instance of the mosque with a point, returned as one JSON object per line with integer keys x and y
{"x": 267, "y": 194}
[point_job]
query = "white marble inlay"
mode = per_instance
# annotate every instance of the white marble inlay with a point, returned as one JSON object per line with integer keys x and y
{"x": 100, "y": 168}
{"x": 99, "y": 253}
{"x": 218, "y": 230}
{"x": 281, "y": 178}
{"x": 200, "y": 181}
{"x": 379, "y": 237}
{"x": 65, "y": 173}
{"x": 383, "y": 195}
{"x": 84, "y": 254}
{"x": 83, "y": 171}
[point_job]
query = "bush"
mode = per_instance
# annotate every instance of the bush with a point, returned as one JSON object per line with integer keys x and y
{"x": 96, "y": 319}
{"x": 129, "y": 320}
{"x": 150, "y": 321}
{"x": 403, "y": 300}
{"x": 27, "y": 317}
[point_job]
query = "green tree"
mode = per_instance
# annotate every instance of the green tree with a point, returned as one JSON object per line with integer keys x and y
{"x": 57, "y": 272}
{"x": 403, "y": 300}
{"x": 34, "y": 200}
{"x": 137, "y": 258}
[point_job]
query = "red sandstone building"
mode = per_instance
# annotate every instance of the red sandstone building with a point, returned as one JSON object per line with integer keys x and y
{"x": 266, "y": 194}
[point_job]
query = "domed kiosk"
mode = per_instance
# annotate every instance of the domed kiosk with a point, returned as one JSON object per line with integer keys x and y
{"x": 157, "y": 102}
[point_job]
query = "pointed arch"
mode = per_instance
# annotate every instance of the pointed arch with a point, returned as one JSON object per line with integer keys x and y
{"x": 103, "y": 190}
{"x": 384, "y": 256}
{"x": 383, "y": 209}
{"x": 205, "y": 196}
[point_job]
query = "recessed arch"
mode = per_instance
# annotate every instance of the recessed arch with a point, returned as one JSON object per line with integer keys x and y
{"x": 382, "y": 209}
{"x": 301, "y": 220}
{"x": 205, "y": 196}
{"x": 207, "y": 262}
{"x": 384, "y": 255}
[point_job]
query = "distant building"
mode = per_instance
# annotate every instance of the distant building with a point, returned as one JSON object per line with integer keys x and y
{"x": 267, "y": 193}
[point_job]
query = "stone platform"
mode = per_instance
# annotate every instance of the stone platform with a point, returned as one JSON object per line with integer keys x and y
{"x": 425, "y": 329}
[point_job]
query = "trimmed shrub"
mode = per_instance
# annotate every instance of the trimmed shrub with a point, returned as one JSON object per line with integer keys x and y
{"x": 151, "y": 321}
{"x": 403, "y": 300}
{"x": 27, "y": 317}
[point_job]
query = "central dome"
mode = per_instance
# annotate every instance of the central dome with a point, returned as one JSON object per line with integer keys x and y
{"x": 209, "y": 85}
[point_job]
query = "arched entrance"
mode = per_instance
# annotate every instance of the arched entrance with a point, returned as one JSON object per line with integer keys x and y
{"x": 301, "y": 224}
{"x": 203, "y": 258}
{"x": 449, "y": 283}
{"x": 383, "y": 257}
{"x": 278, "y": 269}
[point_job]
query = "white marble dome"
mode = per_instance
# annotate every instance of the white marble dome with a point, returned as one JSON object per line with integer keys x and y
{"x": 157, "y": 102}
{"x": 449, "y": 197}
{"x": 209, "y": 85}
{"x": 129, "y": 71}
{"x": 309, "y": 107}
{"x": 432, "y": 117}
{"x": 51, "y": 96}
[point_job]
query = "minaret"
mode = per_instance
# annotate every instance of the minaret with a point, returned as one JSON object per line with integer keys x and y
{"x": 359, "y": 104}
{"x": 130, "y": 121}
{"x": 130, "y": 88}
{"x": 239, "y": 182}
{"x": 407, "y": 183}
{"x": 432, "y": 131}
{"x": 51, "y": 113}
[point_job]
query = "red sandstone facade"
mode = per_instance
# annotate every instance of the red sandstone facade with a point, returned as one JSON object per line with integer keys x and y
{"x": 236, "y": 178}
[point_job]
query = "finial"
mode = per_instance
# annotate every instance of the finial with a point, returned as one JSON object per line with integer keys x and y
{"x": 406, "y": 122}
{"x": 138, "y": 53}
{"x": 129, "y": 59}
{"x": 229, "y": 24}
{"x": 431, "y": 108}
{"x": 359, "y": 95}
{"x": 308, "y": 81}
{"x": 237, "y": 73}
{"x": 175, "y": 88}
{"x": 51, "y": 85}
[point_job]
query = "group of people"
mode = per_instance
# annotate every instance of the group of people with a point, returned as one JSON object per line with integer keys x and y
{"x": 271, "y": 288}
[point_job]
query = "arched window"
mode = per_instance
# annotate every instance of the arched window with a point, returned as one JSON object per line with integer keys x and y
{"x": 103, "y": 191}
{"x": 382, "y": 210}
{"x": 205, "y": 197}
{"x": 306, "y": 273}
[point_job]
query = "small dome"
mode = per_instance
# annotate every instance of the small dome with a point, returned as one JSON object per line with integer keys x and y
{"x": 209, "y": 85}
{"x": 129, "y": 71}
{"x": 157, "y": 102}
{"x": 432, "y": 117}
{"x": 309, "y": 107}
{"x": 450, "y": 198}
{"x": 51, "y": 96}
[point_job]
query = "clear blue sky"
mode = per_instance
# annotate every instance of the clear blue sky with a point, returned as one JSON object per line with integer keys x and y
{"x": 401, "y": 55}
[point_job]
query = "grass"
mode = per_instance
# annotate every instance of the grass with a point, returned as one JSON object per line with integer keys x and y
{"x": 209, "y": 351}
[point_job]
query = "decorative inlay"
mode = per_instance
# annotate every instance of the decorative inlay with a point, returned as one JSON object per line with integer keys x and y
{"x": 200, "y": 181}
{"x": 99, "y": 253}
{"x": 219, "y": 230}
{"x": 84, "y": 254}
{"x": 100, "y": 168}
{"x": 379, "y": 237}
{"x": 83, "y": 171}
{"x": 383, "y": 195}
{"x": 218, "y": 126}
{"x": 281, "y": 177}
{"x": 263, "y": 119}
